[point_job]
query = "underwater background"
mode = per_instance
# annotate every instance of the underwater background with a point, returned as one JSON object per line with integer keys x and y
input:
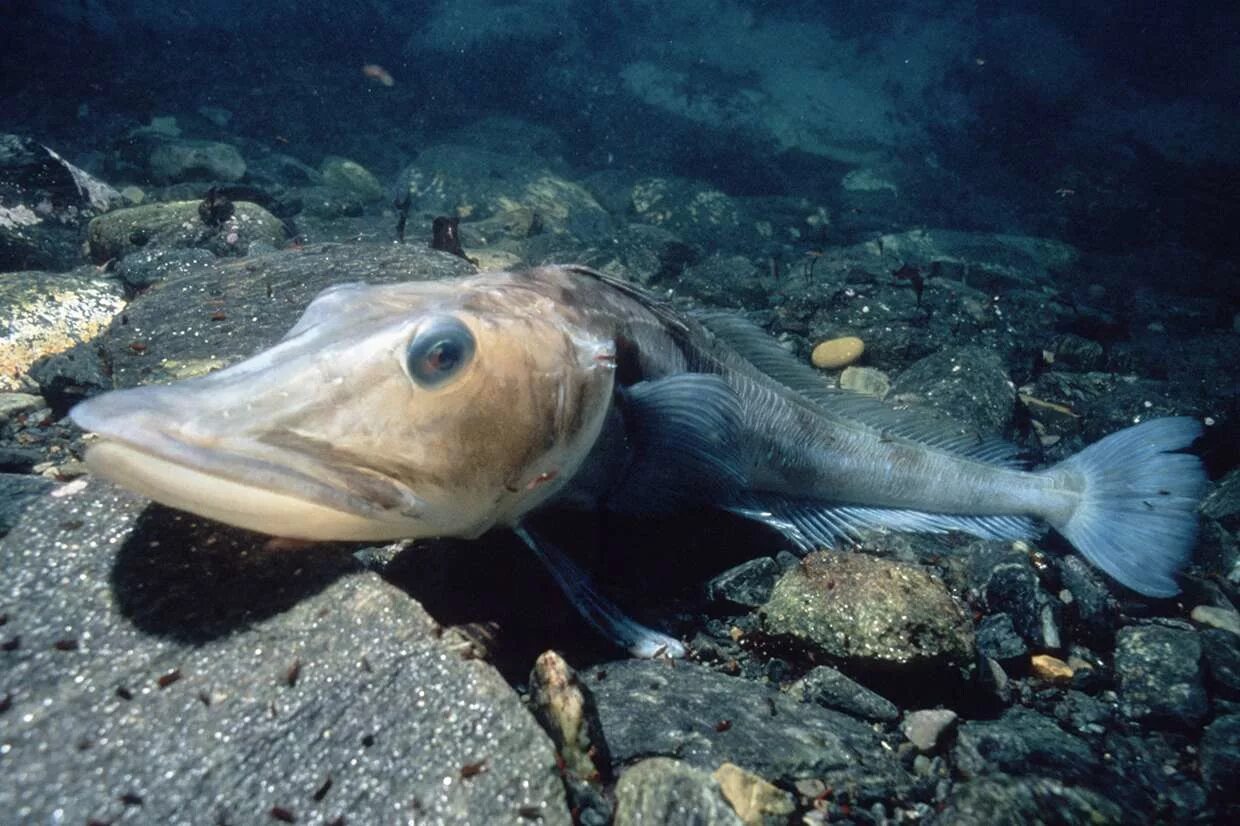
{"x": 1021, "y": 214}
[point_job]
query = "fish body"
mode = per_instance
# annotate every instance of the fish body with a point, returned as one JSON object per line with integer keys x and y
{"x": 449, "y": 408}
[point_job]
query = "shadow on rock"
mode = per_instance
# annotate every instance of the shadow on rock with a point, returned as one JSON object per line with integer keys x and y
{"x": 193, "y": 580}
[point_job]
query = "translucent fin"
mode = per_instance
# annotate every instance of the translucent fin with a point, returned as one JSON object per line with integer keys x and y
{"x": 811, "y": 525}
{"x": 922, "y": 425}
{"x": 1137, "y": 516}
{"x": 684, "y": 434}
{"x": 598, "y": 610}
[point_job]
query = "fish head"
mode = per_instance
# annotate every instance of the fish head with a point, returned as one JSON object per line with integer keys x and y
{"x": 398, "y": 411}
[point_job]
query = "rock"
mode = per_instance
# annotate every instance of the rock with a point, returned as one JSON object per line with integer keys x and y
{"x": 997, "y": 639}
{"x": 665, "y": 791}
{"x": 1220, "y": 759}
{"x": 1013, "y": 588}
{"x": 1213, "y": 616}
{"x": 144, "y": 267}
{"x": 1222, "y": 504}
{"x": 1093, "y": 612}
{"x": 987, "y": 260}
{"x": 17, "y": 404}
{"x": 182, "y": 670}
{"x": 865, "y": 380}
{"x": 17, "y": 492}
{"x": 927, "y": 729}
{"x": 18, "y": 459}
{"x": 832, "y": 689}
{"x": 726, "y": 281}
{"x": 968, "y": 384}
{"x": 44, "y": 202}
{"x": 567, "y": 712}
{"x": 1023, "y": 742}
{"x": 1221, "y": 652}
{"x": 1002, "y": 799}
{"x": 747, "y": 585}
{"x": 1160, "y": 676}
{"x": 863, "y": 609}
{"x": 705, "y": 718}
{"x": 177, "y": 224}
{"x": 751, "y": 797}
{"x": 1084, "y": 714}
{"x": 47, "y": 314}
{"x": 352, "y": 177}
{"x": 69, "y": 377}
{"x": 1051, "y": 669}
{"x": 837, "y": 352}
{"x": 173, "y": 161}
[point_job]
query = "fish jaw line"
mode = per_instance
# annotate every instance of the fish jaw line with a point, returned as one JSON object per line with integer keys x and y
{"x": 214, "y": 484}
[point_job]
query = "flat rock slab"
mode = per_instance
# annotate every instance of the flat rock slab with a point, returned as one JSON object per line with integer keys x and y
{"x": 703, "y": 718}
{"x": 161, "y": 669}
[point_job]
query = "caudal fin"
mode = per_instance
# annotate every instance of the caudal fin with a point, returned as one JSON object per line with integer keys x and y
{"x": 1137, "y": 517}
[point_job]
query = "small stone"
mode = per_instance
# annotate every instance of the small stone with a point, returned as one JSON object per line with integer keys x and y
{"x": 1051, "y": 669}
{"x": 662, "y": 790}
{"x": 566, "y": 710}
{"x": 830, "y": 688}
{"x": 837, "y": 352}
{"x": 748, "y": 584}
{"x": 928, "y": 728}
{"x": 1215, "y": 617}
{"x": 15, "y": 404}
{"x": 997, "y": 639}
{"x": 1160, "y": 676}
{"x": 1221, "y": 652}
{"x": 865, "y": 380}
{"x": 752, "y": 797}
{"x": 352, "y": 177}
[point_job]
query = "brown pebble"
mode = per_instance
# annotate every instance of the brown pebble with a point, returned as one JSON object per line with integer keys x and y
{"x": 837, "y": 352}
{"x": 1051, "y": 669}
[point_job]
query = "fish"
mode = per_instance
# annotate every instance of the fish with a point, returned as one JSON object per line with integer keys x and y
{"x": 450, "y": 408}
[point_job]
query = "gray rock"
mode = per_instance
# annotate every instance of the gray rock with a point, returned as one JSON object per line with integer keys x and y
{"x": 997, "y": 639}
{"x": 350, "y": 176}
{"x": 69, "y": 377}
{"x": 14, "y": 405}
{"x": 986, "y": 801}
{"x": 171, "y": 670}
{"x": 865, "y": 609}
{"x": 928, "y": 728}
{"x": 1093, "y": 613}
{"x": 705, "y": 718}
{"x": 18, "y": 459}
{"x": 1013, "y": 589}
{"x": 1221, "y": 652}
{"x": 1220, "y": 758}
{"x": 195, "y": 161}
{"x": 748, "y": 584}
{"x": 44, "y": 202}
{"x": 144, "y": 267}
{"x": 832, "y": 689}
{"x": 17, "y": 492}
{"x": 1160, "y": 676}
{"x": 968, "y": 384}
{"x": 1023, "y": 742}
{"x": 665, "y": 791}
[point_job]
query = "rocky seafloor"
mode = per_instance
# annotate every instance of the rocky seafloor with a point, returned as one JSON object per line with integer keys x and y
{"x": 159, "y": 668}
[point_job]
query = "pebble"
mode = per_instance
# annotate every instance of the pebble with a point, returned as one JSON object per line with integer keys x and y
{"x": 15, "y": 404}
{"x": 1160, "y": 676}
{"x": 1051, "y": 669}
{"x": 837, "y": 352}
{"x": 751, "y": 797}
{"x": 748, "y": 584}
{"x": 865, "y": 380}
{"x": 1223, "y": 618}
{"x": 1221, "y": 652}
{"x": 997, "y": 639}
{"x": 927, "y": 729}
{"x": 567, "y": 713}
{"x": 1220, "y": 757}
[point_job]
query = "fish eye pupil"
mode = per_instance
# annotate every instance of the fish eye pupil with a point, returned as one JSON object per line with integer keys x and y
{"x": 438, "y": 351}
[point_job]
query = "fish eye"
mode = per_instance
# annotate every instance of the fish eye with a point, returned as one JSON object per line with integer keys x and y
{"x": 438, "y": 351}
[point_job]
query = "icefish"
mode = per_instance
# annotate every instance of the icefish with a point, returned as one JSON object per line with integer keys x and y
{"x": 444, "y": 409}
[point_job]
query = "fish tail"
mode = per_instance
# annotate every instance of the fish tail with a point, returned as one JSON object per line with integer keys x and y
{"x": 1136, "y": 517}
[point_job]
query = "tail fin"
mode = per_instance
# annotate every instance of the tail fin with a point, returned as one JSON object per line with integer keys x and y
{"x": 1137, "y": 517}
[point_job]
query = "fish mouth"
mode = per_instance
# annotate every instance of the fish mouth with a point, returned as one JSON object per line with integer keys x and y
{"x": 144, "y": 447}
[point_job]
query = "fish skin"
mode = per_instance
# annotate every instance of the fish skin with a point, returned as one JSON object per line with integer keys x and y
{"x": 577, "y": 378}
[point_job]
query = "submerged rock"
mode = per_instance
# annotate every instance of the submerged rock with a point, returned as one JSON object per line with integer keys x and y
{"x": 665, "y": 791}
{"x": 832, "y": 689}
{"x": 999, "y": 799}
{"x": 1160, "y": 675}
{"x": 182, "y": 160}
{"x": 867, "y": 610}
{"x": 170, "y": 667}
{"x": 178, "y": 224}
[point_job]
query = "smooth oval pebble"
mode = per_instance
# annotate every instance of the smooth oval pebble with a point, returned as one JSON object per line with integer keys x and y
{"x": 1051, "y": 669}
{"x": 837, "y": 352}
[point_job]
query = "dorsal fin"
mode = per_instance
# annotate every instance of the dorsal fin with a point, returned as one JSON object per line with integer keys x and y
{"x": 927, "y": 426}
